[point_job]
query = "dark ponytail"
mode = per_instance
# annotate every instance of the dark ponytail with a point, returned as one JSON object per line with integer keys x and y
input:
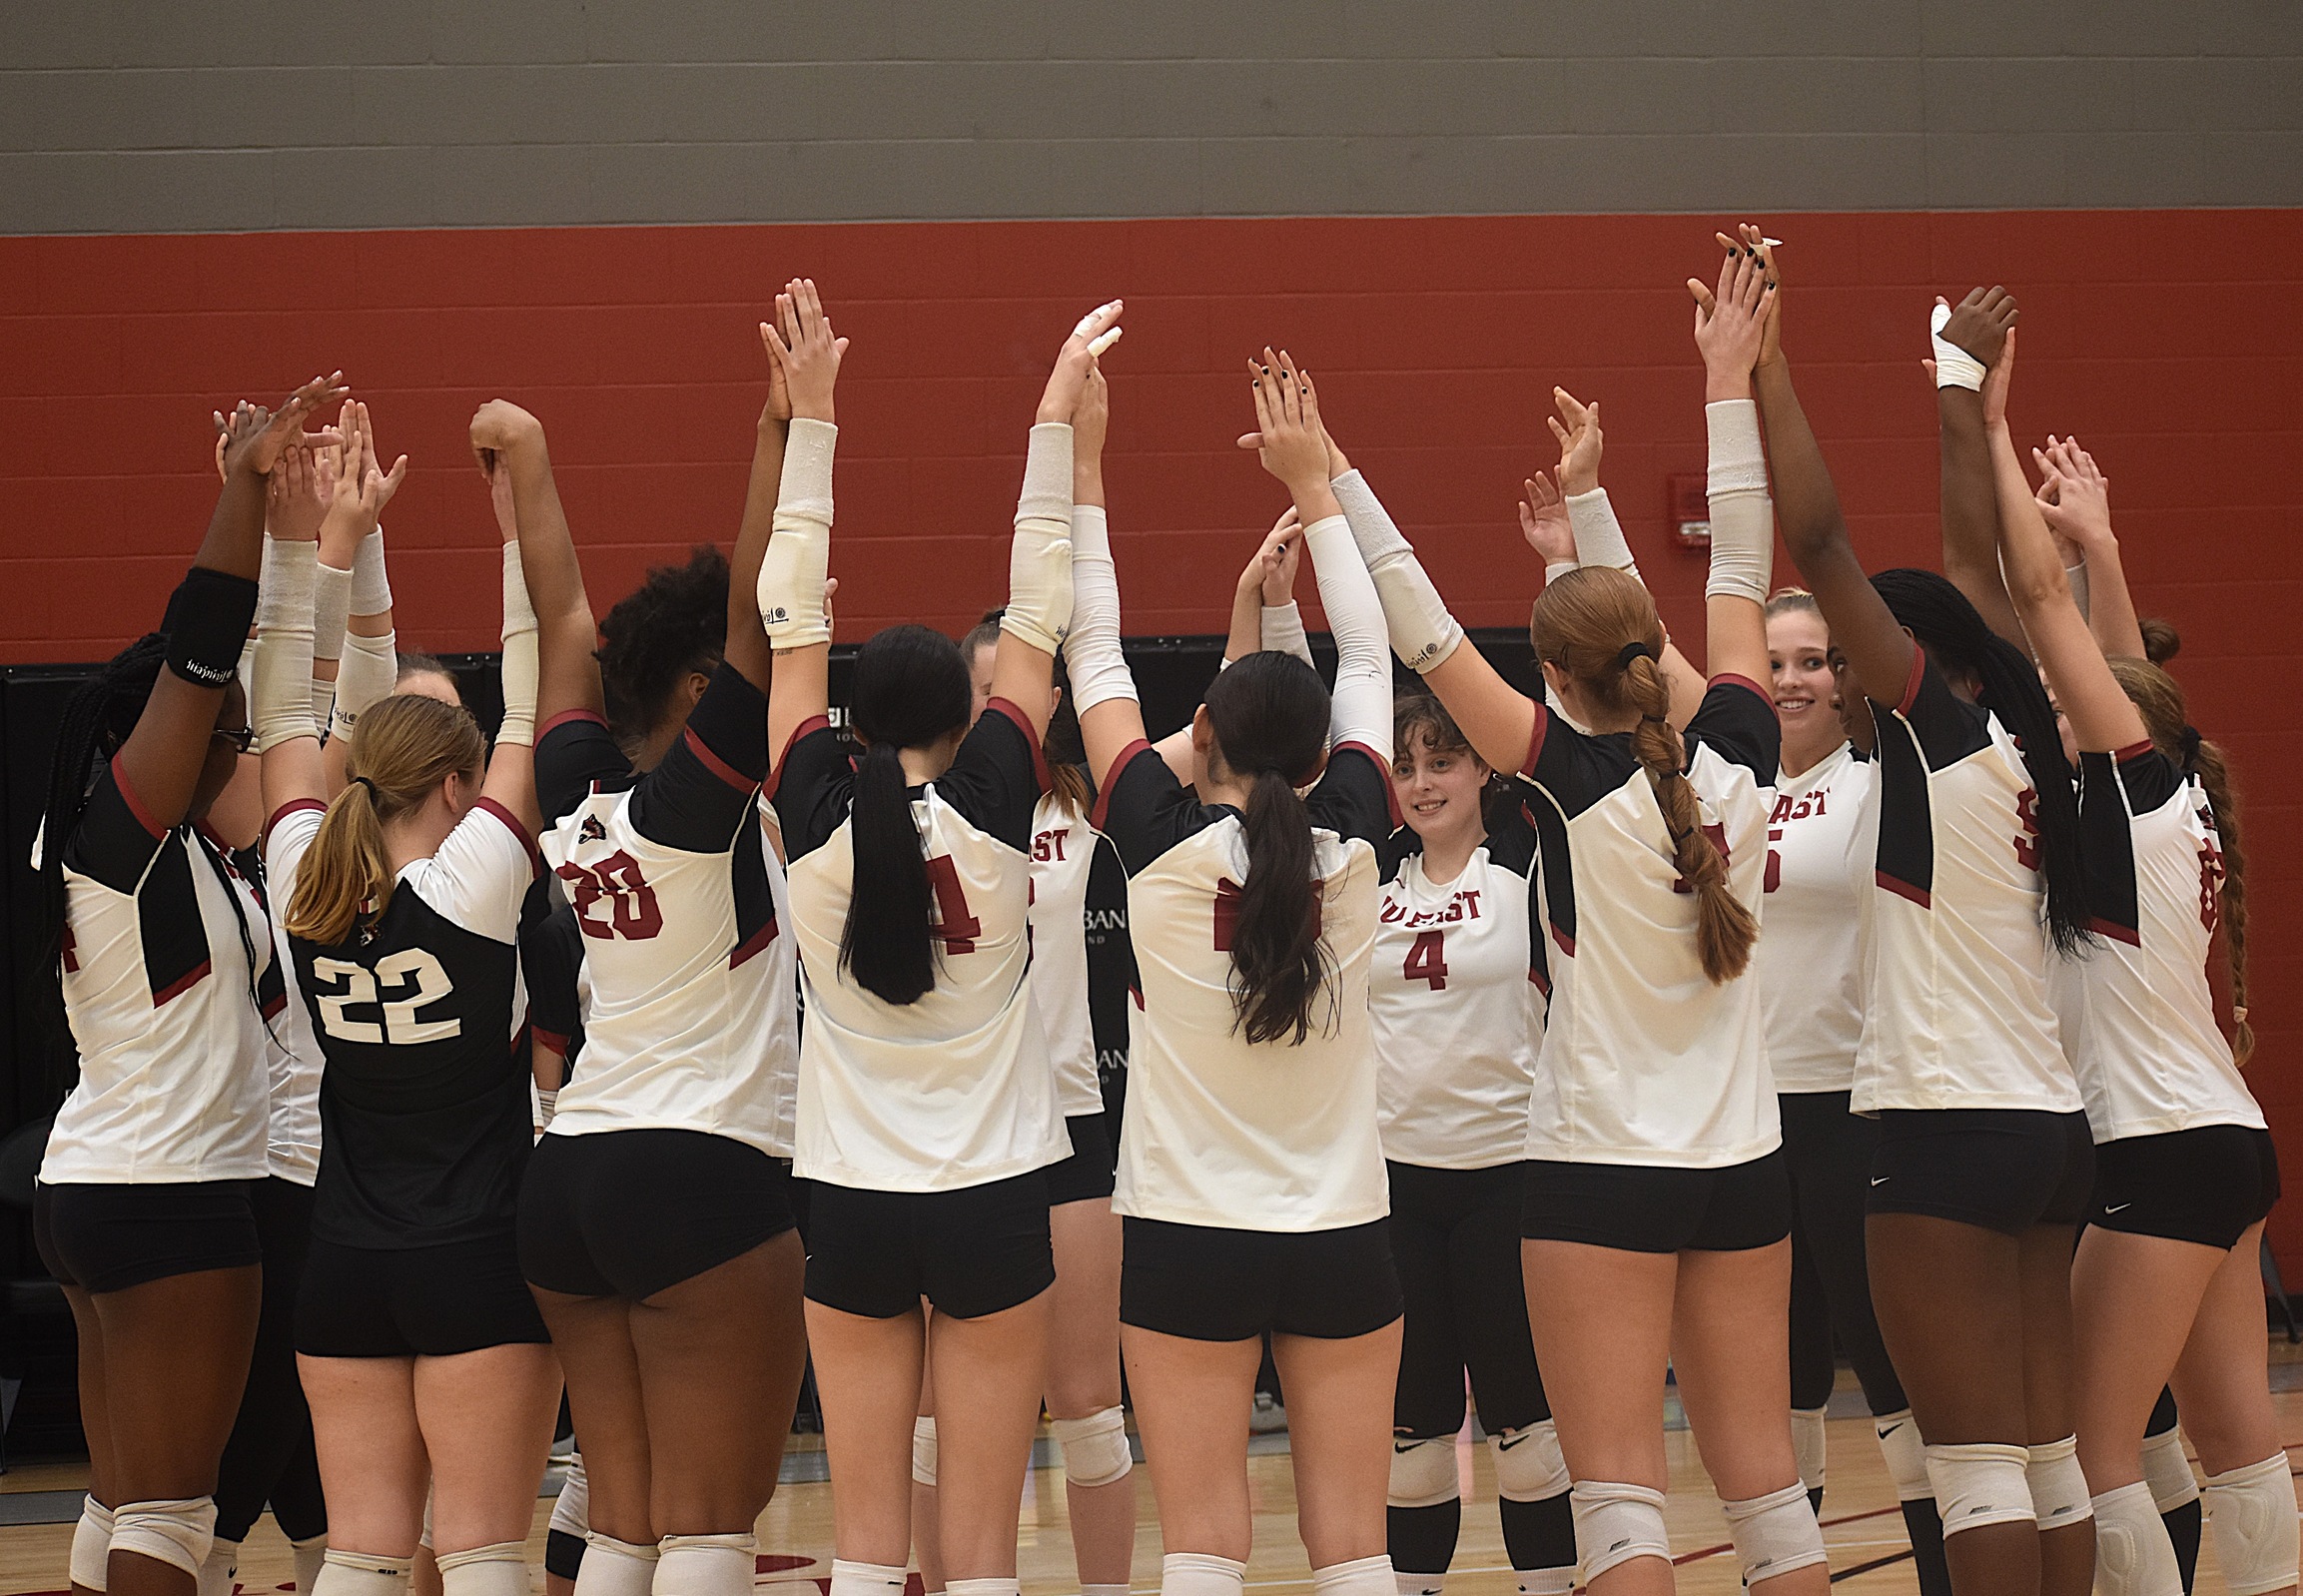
{"x": 1954, "y": 635}
{"x": 1270, "y": 716}
{"x": 911, "y": 690}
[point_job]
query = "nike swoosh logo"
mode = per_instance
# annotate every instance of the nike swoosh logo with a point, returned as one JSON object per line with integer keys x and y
{"x": 1880, "y": 1179}
{"x": 2117, "y": 1207}
{"x": 1406, "y": 1446}
{"x": 1504, "y": 1444}
{"x": 1892, "y": 1428}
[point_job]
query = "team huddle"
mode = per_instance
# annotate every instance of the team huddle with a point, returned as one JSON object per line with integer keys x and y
{"x": 1878, "y": 981}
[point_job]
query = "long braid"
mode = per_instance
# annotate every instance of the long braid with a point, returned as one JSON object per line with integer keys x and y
{"x": 1725, "y": 929}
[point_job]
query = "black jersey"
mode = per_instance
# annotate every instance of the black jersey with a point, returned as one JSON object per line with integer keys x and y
{"x": 424, "y": 1105}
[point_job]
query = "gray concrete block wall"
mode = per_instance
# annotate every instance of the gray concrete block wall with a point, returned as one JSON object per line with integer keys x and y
{"x": 144, "y": 116}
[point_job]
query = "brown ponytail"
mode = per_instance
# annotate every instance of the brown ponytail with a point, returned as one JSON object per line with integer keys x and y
{"x": 405, "y": 747}
{"x": 1601, "y": 627}
{"x": 2160, "y": 698}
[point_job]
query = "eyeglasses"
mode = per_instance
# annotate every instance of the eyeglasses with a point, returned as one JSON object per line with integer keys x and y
{"x": 241, "y": 738}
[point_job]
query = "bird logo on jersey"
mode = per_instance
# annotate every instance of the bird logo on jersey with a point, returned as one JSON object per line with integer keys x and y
{"x": 591, "y": 830}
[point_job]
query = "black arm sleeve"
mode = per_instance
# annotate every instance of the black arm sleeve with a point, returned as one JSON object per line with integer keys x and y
{"x": 573, "y": 754}
{"x": 709, "y": 779}
{"x": 1736, "y": 721}
{"x": 995, "y": 779}
{"x": 812, "y": 788}
{"x": 113, "y": 843}
{"x": 1353, "y": 797}
{"x": 1146, "y": 811}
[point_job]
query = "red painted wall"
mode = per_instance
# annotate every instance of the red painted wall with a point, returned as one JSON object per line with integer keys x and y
{"x": 2168, "y": 342}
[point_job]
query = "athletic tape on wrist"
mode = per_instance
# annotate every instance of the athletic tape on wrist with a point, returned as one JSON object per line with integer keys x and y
{"x": 1954, "y": 366}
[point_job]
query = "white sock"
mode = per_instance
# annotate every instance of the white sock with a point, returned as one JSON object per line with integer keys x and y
{"x": 1807, "y": 1445}
{"x": 216, "y": 1573}
{"x": 498, "y": 1570}
{"x": 1200, "y": 1574}
{"x": 1362, "y": 1576}
{"x": 706, "y": 1565}
{"x": 2133, "y": 1556}
{"x": 1410, "y": 1584}
{"x": 309, "y": 1554}
{"x": 981, "y": 1587}
{"x": 866, "y": 1579}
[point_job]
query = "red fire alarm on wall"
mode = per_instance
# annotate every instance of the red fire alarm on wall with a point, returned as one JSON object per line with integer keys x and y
{"x": 1687, "y": 495}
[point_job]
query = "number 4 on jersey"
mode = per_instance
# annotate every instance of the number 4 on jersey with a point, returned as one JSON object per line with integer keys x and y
{"x": 1427, "y": 960}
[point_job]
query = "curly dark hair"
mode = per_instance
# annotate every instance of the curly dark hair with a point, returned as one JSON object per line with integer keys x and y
{"x": 673, "y": 623}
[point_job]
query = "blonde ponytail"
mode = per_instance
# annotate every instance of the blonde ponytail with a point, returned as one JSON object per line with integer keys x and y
{"x": 402, "y": 749}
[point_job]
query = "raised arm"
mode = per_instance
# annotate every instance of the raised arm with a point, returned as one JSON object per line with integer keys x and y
{"x": 1359, "y": 707}
{"x": 1968, "y": 340}
{"x": 1877, "y": 649}
{"x": 567, "y": 667}
{"x": 1264, "y": 611}
{"x": 1102, "y": 687}
{"x": 209, "y": 616}
{"x": 512, "y": 767}
{"x": 2102, "y": 716}
{"x": 794, "y": 568}
{"x": 368, "y": 671}
{"x": 1730, "y": 325}
{"x": 748, "y": 645}
{"x": 1599, "y": 538}
{"x": 2076, "y": 500}
{"x": 1543, "y": 521}
{"x": 280, "y": 705}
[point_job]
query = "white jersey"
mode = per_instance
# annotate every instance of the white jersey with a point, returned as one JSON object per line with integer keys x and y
{"x": 2138, "y": 1017}
{"x": 1220, "y": 1131}
{"x": 686, "y": 1022}
{"x": 1815, "y": 925}
{"x": 1063, "y": 853}
{"x": 1455, "y": 1002}
{"x": 1645, "y": 1059}
{"x": 292, "y": 1061}
{"x": 170, "y": 976}
{"x": 1959, "y": 1015}
{"x": 954, "y": 1090}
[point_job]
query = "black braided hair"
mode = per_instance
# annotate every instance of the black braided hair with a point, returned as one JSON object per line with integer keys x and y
{"x": 1956, "y": 637}
{"x": 673, "y": 623}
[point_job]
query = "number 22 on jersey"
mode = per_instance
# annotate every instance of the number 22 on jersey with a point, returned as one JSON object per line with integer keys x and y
{"x": 414, "y": 972}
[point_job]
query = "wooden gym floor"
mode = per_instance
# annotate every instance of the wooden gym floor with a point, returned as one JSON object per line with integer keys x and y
{"x": 1861, "y": 1524}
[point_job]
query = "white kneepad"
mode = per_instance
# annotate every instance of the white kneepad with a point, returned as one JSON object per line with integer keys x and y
{"x": 1775, "y": 1533}
{"x": 2133, "y": 1556}
{"x": 1616, "y": 1522}
{"x": 1095, "y": 1448}
{"x": 1979, "y": 1484}
{"x": 1529, "y": 1466}
{"x": 924, "y": 1449}
{"x": 359, "y": 1574}
{"x": 2168, "y": 1471}
{"x": 708, "y": 1565}
{"x": 2251, "y": 1511}
{"x": 615, "y": 1568}
{"x": 2058, "y": 1486}
{"x": 1906, "y": 1455}
{"x": 1423, "y": 1473}
{"x": 178, "y": 1533}
{"x": 91, "y": 1544}
{"x": 497, "y": 1570}
{"x": 571, "y": 1513}
{"x": 1200, "y": 1574}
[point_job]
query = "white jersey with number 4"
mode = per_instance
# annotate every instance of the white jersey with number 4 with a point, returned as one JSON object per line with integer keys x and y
{"x": 1456, "y": 1003}
{"x": 1815, "y": 922}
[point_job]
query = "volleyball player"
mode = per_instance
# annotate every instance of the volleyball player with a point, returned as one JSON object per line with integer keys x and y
{"x": 427, "y": 1365}
{"x": 1657, "y": 1209}
{"x": 1251, "y": 1174}
{"x": 163, "y": 955}
{"x": 2165, "y": 1286}
{"x": 1813, "y": 967}
{"x": 1984, "y": 1163}
{"x": 1455, "y": 1003}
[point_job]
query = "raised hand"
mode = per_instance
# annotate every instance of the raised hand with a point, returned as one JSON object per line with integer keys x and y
{"x": 802, "y": 342}
{"x": 2076, "y": 497}
{"x": 1980, "y": 323}
{"x": 1731, "y": 323}
{"x": 779, "y": 406}
{"x": 1771, "y": 340}
{"x": 362, "y": 486}
{"x": 1295, "y": 448}
{"x": 1996, "y": 382}
{"x": 254, "y": 435}
{"x": 294, "y": 504}
{"x": 1270, "y": 570}
{"x": 1543, "y": 521}
{"x": 1094, "y": 333}
{"x": 1091, "y": 415}
{"x": 1579, "y": 441}
{"x": 502, "y": 427}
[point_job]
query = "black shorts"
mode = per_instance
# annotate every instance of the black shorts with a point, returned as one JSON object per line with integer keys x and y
{"x": 2205, "y": 1185}
{"x": 975, "y": 1251}
{"x": 419, "y": 1301}
{"x": 104, "y": 1237}
{"x": 2004, "y": 1169}
{"x": 1210, "y": 1283}
{"x": 1641, "y": 1207}
{"x": 1089, "y": 1173}
{"x": 630, "y": 1213}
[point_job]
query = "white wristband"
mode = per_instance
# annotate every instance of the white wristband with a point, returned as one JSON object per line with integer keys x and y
{"x": 799, "y": 554}
{"x": 1954, "y": 366}
{"x": 371, "y": 590}
{"x": 1554, "y": 570}
{"x": 331, "y": 602}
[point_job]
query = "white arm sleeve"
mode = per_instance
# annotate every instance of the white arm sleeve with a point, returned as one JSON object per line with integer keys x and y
{"x": 519, "y": 654}
{"x": 331, "y": 602}
{"x": 1360, "y": 711}
{"x": 279, "y": 689}
{"x": 370, "y": 588}
{"x": 799, "y": 555}
{"x": 1554, "y": 570}
{"x": 1599, "y": 538}
{"x": 1743, "y": 514}
{"x": 1423, "y": 632}
{"x": 1280, "y": 630}
{"x": 1091, "y": 655}
{"x": 1040, "y": 559}
{"x": 370, "y": 672}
